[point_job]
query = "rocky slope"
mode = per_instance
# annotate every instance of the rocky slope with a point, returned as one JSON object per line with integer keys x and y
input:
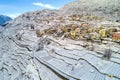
{"x": 109, "y": 9}
{"x": 25, "y": 56}
{"x": 4, "y": 19}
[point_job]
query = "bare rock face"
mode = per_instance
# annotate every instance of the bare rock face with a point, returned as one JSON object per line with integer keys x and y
{"x": 17, "y": 59}
{"x": 109, "y": 9}
{"x": 24, "y": 56}
{"x": 18, "y": 43}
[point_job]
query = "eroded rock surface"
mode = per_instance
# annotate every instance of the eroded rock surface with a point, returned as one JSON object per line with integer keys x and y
{"x": 24, "y": 56}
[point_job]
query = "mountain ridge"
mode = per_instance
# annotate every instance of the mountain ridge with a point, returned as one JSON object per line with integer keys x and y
{"x": 4, "y": 19}
{"x": 109, "y": 9}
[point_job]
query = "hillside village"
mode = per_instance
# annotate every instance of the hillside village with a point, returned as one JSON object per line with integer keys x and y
{"x": 71, "y": 43}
